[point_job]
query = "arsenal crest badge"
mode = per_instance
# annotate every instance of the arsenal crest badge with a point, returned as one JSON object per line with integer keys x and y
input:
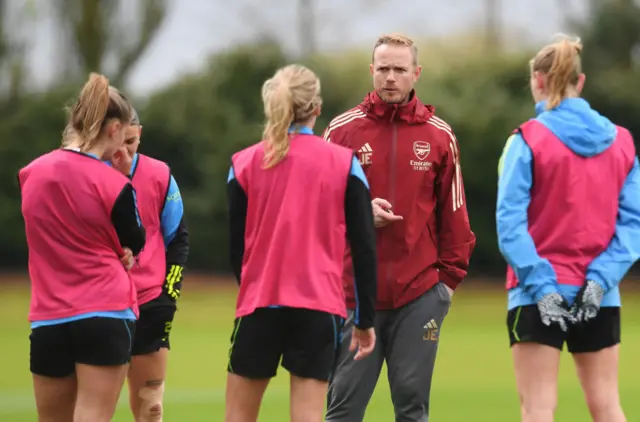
{"x": 421, "y": 149}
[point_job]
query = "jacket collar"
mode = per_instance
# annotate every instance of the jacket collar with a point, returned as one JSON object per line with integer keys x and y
{"x": 413, "y": 112}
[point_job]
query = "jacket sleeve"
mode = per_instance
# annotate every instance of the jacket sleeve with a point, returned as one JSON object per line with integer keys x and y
{"x": 515, "y": 179}
{"x": 455, "y": 238}
{"x": 623, "y": 251}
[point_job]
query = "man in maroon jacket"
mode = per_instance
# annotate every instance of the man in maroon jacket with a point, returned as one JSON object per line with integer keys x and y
{"x": 412, "y": 161}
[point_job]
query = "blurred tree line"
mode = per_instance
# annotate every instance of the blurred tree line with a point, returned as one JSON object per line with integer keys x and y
{"x": 199, "y": 121}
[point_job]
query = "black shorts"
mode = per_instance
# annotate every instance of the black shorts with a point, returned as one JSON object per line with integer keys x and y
{"x": 55, "y": 349}
{"x": 524, "y": 325}
{"x": 306, "y": 341}
{"x": 154, "y": 326}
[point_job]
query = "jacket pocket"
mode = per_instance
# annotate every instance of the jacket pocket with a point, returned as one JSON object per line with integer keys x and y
{"x": 443, "y": 293}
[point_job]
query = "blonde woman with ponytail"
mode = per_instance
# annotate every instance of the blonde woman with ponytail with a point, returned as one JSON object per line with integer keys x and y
{"x": 278, "y": 108}
{"x": 83, "y": 230}
{"x": 568, "y": 220}
{"x": 294, "y": 202}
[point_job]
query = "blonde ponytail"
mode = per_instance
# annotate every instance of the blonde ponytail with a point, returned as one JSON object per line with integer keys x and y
{"x": 278, "y": 108}
{"x": 290, "y": 97}
{"x": 97, "y": 103}
{"x": 562, "y": 73}
{"x": 561, "y": 64}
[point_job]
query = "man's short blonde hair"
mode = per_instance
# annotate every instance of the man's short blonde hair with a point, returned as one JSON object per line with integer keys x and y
{"x": 398, "y": 40}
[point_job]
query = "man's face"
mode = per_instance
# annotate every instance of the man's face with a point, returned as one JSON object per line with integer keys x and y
{"x": 394, "y": 73}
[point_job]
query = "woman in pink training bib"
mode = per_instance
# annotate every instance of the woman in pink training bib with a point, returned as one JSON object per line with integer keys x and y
{"x": 81, "y": 224}
{"x": 294, "y": 201}
{"x": 568, "y": 219}
{"x": 157, "y": 274}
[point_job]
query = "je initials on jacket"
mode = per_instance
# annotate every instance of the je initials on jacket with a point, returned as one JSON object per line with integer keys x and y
{"x": 364, "y": 155}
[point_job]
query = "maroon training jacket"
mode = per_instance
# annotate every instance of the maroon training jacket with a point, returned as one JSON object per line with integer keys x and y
{"x": 412, "y": 159}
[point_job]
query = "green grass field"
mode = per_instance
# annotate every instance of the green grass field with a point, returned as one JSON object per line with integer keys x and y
{"x": 473, "y": 380}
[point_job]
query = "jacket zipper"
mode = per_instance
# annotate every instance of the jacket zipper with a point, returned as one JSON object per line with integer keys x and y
{"x": 392, "y": 200}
